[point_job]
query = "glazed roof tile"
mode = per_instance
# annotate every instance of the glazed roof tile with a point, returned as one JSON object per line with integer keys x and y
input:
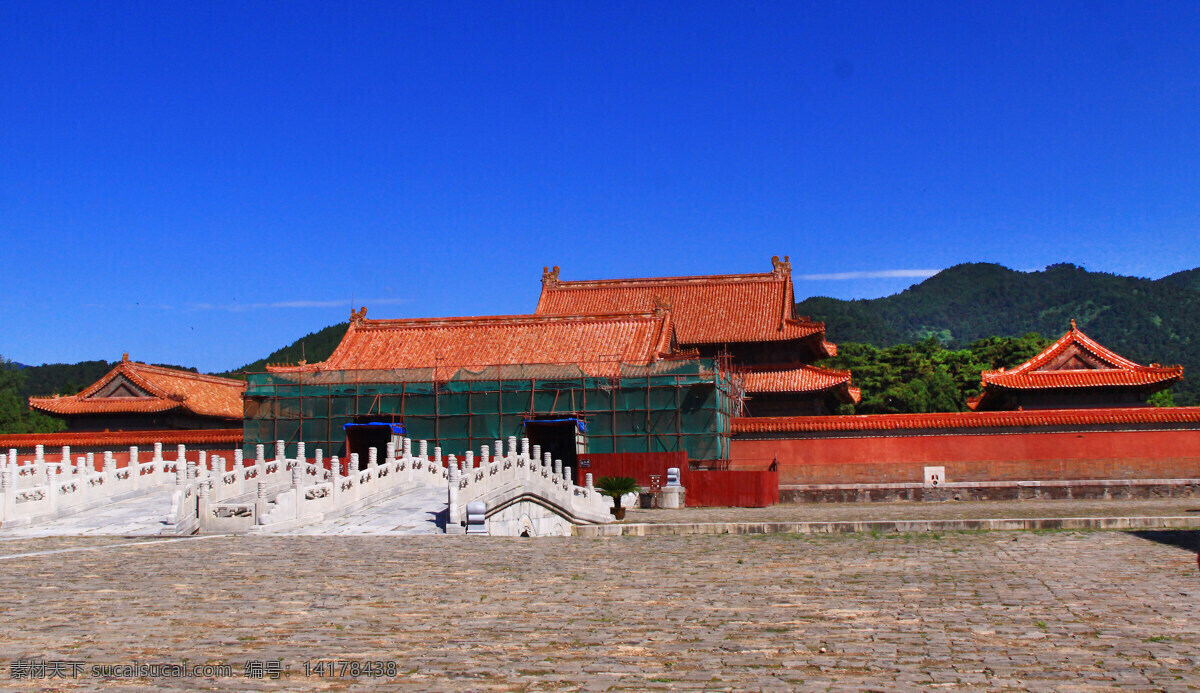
{"x": 709, "y": 309}
{"x": 799, "y": 379}
{"x": 597, "y": 344}
{"x": 1093, "y": 365}
{"x": 989, "y": 419}
{"x": 118, "y": 439}
{"x": 165, "y": 389}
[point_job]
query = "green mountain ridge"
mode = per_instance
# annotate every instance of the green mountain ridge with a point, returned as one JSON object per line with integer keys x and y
{"x": 1147, "y": 320}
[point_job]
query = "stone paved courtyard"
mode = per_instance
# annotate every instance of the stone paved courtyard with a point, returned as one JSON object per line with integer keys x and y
{"x": 1007, "y": 610}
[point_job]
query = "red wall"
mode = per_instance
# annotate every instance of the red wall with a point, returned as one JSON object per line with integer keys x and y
{"x": 639, "y": 465}
{"x": 995, "y": 457}
{"x": 726, "y": 488}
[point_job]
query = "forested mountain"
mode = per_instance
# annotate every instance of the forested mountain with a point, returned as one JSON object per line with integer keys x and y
{"x": 312, "y": 347}
{"x": 1149, "y": 321}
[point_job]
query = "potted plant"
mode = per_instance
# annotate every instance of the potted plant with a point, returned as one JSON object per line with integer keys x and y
{"x": 615, "y": 487}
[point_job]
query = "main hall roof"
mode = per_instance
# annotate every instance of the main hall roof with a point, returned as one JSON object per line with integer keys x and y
{"x": 709, "y": 309}
{"x": 597, "y": 344}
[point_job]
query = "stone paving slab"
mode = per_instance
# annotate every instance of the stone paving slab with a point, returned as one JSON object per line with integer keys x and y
{"x": 842, "y": 512}
{"x": 142, "y": 515}
{"x": 1002, "y": 610}
{"x": 413, "y": 512}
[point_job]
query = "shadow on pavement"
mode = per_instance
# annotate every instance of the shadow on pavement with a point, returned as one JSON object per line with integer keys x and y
{"x": 1187, "y": 539}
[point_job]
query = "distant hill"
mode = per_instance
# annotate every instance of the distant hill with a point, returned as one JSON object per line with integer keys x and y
{"x": 1149, "y": 321}
{"x": 68, "y": 378}
{"x": 312, "y": 347}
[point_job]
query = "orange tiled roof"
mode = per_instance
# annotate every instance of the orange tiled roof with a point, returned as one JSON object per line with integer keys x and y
{"x": 711, "y": 309}
{"x": 164, "y": 389}
{"x": 1076, "y": 361}
{"x": 988, "y": 419}
{"x": 595, "y": 343}
{"x": 117, "y": 439}
{"x": 805, "y": 378}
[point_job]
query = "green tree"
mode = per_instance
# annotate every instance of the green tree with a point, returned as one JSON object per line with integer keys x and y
{"x": 15, "y": 415}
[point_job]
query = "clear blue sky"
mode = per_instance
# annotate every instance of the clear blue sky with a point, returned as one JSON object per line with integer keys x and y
{"x": 201, "y": 183}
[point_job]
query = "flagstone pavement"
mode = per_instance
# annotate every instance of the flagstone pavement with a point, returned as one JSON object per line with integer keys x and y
{"x": 1095, "y": 610}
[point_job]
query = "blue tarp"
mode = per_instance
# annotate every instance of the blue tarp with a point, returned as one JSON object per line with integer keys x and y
{"x": 397, "y": 428}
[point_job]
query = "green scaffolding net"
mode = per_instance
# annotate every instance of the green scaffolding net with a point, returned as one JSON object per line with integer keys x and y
{"x": 668, "y": 406}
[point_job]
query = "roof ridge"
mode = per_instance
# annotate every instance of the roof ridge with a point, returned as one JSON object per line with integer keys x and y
{"x": 650, "y": 281}
{"x": 181, "y": 373}
{"x": 521, "y": 319}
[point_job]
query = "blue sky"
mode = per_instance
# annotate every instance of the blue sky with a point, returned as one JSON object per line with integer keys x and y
{"x": 201, "y": 183}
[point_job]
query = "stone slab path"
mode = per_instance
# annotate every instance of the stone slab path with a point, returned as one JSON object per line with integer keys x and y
{"x": 945, "y": 510}
{"x": 1092, "y": 611}
{"x": 414, "y": 512}
{"x": 133, "y": 517}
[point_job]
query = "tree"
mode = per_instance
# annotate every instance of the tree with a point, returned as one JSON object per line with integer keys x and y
{"x": 15, "y": 415}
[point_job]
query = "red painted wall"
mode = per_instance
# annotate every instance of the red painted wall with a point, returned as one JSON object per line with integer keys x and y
{"x": 731, "y": 488}
{"x": 995, "y": 457}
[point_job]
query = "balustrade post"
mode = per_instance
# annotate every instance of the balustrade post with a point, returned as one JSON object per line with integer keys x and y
{"x": 319, "y": 462}
{"x": 588, "y": 481}
{"x": 202, "y": 504}
{"x": 547, "y": 463}
{"x": 202, "y": 465}
{"x": 453, "y": 517}
{"x": 390, "y": 452}
{"x": 110, "y": 472}
{"x": 498, "y": 449}
{"x": 483, "y": 456}
{"x": 335, "y": 478}
{"x": 424, "y": 450}
{"x": 537, "y": 454}
{"x": 135, "y": 472}
{"x": 525, "y": 447}
{"x": 280, "y": 449}
{"x": 159, "y": 466}
{"x": 8, "y": 499}
{"x": 373, "y": 460}
{"x": 180, "y": 470}
{"x": 65, "y": 460}
{"x": 437, "y": 456}
{"x": 469, "y": 460}
{"x": 567, "y": 474}
{"x": 260, "y": 502}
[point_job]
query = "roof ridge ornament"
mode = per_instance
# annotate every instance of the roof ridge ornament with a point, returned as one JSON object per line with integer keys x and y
{"x": 125, "y": 357}
{"x": 550, "y": 276}
{"x": 661, "y": 305}
{"x": 781, "y": 268}
{"x": 1073, "y": 324}
{"x": 358, "y": 317}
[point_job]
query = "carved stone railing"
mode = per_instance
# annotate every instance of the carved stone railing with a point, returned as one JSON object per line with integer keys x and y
{"x": 521, "y": 492}
{"x": 285, "y": 493}
{"x": 42, "y": 490}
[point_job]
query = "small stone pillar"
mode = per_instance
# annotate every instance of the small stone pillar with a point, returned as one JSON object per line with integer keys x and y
{"x": 353, "y": 467}
{"x": 483, "y": 455}
{"x": 525, "y": 447}
{"x": 469, "y": 460}
{"x": 512, "y": 447}
{"x": 452, "y": 463}
{"x": 239, "y": 461}
{"x": 158, "y": 458}
{"x": 260, "y": 502}
{"x": 547, "y": 463}
{"x": 202, "y": 465}
{"x": 320, "y": 462}
{"x": 301, "y": 455}
{"x": 391, "y": 452}
{"x": 537, "y": 453}
{"x": 260, "y": 454}
{"x": 587, "y": 480}
{"x": 110, "y": 466}
{"x": 437, "y": 455}
{"x": 567, "y": 475}
{"x": 424, "y": 450}
{"x": 280, "y": 451}
{"x": 91, "y": 462}
{"x": 65, "y": 460}
{"x": 498, "y": 448}
{"x": 133, "y": 457}
{"x": 558, "y": 468}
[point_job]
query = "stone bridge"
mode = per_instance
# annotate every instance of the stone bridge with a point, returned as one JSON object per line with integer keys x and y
{"x": 510, "y": 493}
